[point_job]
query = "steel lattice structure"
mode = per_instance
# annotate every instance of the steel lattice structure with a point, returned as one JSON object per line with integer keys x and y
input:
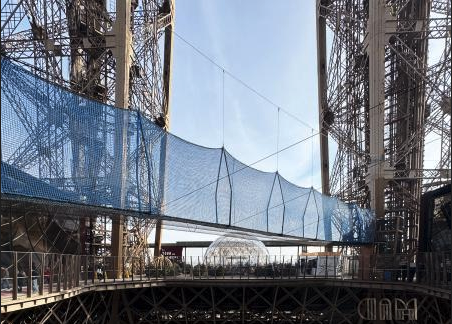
{"x": 384, "y": 98}
{"x": 116, "y": 53}
{"x": 209, "y": 302}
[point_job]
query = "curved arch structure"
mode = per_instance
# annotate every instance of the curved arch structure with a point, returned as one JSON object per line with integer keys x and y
{"x": 62, "y": 147}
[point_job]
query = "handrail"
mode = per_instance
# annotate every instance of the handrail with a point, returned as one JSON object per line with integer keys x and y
{"x": 28, "y": 274}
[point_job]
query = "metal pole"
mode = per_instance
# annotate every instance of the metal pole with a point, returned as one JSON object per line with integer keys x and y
{"x": 59, "y": 273}
{"x": 290, "y": 266}
{"x": 299, "y": 266}
{"x": 52, "y": 271}
{"x": 30, "y": 277}
{"x": 240, "y": 267}
{"x": 376, "y": 52}
{"x": 158, "y": 237}
{"x": 86, "y": 269}
{"x": 304, "y": 268}
{"x": 274, "y": 264}
{"x": 122, "y": 51}
{"x": 185, "y": 262}
{"x": 115, "y": 271}
{"x": 41, "y": 274}
{"x": 132, "y": 268}
{"x": 282, "y": 263}
{"x": 123, "y": 268}
{"x": 325, "y": 115}
{"x": 15, "y": 275}
{"x": 93, "y": 269}
{"x": 249, "y": 266}
{"x": 326, "y": 266}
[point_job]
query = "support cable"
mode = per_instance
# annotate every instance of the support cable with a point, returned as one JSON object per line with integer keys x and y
{"x": 240, "y": 169}
{"x": 243, "y": 83}
{"x": 312, "y": 157}
{"x": 317, "y": 221}
{"x": 277, "y": 142}
{"x": 223, "y": 107}
{"x": 265, "y": 98}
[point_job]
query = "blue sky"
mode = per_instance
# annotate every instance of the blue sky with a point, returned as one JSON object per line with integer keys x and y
{"x": 272, "y": 48}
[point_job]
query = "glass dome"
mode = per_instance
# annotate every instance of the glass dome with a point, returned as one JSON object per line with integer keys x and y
{"x": 233, "y": 249}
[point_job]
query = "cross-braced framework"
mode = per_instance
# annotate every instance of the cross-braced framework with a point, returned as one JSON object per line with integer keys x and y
{"x": 73, "y": 43}
{"x": 249, "y": 302}
{"x": 116, "y": 53}
{"x": 384, "y": 97}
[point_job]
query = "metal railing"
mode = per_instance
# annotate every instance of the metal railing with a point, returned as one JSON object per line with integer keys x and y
{"x": 30, "y": 274}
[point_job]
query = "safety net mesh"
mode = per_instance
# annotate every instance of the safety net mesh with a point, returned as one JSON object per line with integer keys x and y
{"x": 62, "y": 147}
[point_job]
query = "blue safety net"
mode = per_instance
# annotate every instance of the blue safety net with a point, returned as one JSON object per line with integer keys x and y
{"x": 62, "y": 147}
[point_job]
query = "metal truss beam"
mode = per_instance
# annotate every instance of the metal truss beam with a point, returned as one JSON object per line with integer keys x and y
{"x": 210, "y": 303}
{"x": 47, "y": 37}
{"x": 413, "y": 89}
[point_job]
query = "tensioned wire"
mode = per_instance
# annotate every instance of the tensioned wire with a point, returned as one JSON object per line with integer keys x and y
{"x": 349, "y": 146}
{"x": 278, "y": 205}
{"x": 264, "y": 158}
{"x": 252, "y": 163}
{"x": 285, "y": 202}
{"x": 269, "y": 156}
{"x": 222, "y": 105}
{"x": 269, "y": 208}
{"x": 240, "y": 169}
{"x": 249, "y": 87}
{"x": 259, "y": 94}
{"x": 264, "y": 97}
{"x": 248, "y": 166}
{"x": 239, "y": 80}
{"x": 236, "y": 170}
{"x": 277, "y": 141}
{"x": 317, "y": 221}
{"x": 256, "y": 162}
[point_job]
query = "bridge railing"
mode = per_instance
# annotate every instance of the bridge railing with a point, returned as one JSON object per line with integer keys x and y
{"x": 58, "y": 147}
{"x": 31, "y": 274}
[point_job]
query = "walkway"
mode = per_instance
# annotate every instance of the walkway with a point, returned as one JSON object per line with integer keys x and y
{"x": 61, "y": 147}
